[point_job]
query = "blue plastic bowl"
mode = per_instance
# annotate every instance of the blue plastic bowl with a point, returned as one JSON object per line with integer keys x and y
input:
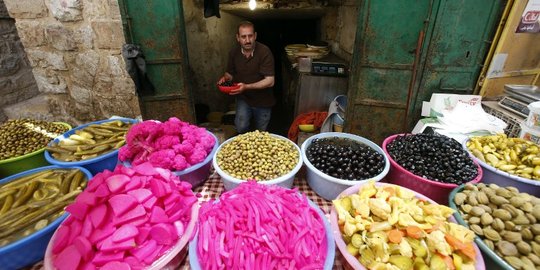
{"x": 330, "y": 253}
{"x": 95, "y": 165}
{"x": 31, "y": 249}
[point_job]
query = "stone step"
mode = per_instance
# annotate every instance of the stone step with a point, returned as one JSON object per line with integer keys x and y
{"x": 37, "y": 107}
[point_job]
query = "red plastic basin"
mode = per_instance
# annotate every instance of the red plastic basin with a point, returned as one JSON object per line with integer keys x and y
{"x": 436, "y": 191}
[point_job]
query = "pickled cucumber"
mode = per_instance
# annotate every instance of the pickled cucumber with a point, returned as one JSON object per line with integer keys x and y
{"x": 36, "y": 198}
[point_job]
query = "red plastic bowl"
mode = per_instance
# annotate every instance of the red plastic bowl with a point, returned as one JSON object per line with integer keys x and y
{"x": 228, "y": 89}
{"x": 436, "y": 191}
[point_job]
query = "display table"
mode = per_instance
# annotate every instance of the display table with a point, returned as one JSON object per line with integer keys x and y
{"x": 213, "y": 187}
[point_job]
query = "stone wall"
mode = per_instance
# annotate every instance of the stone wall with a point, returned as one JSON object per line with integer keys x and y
{"x": 338, "y": 27}
{"x": 16, "y": 80}
{"x": 209, "y": 40}
{"x": 74, "y": 48}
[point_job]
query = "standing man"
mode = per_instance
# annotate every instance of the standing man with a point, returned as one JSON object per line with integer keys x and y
{"x": 251, "y": 65}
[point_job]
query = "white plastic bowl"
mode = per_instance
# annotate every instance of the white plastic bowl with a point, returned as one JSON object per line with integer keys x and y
{"x": 330, "y": 187}
{"x": 285, "y": 181}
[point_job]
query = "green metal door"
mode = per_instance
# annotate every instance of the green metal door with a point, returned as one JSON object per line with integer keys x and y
{"x": 407, "y": 50}
{"x": 382, "y": 65}
{"x": 158, "y": 27}
{"x": 455, "y": 51}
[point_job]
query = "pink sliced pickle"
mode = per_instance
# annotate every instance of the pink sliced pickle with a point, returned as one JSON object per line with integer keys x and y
{"x": 121, "y": 223}
{"x": 68, "y": 259}
{"x": 125, "y": 232}
{"x": 117, "y": 182}
{"x": 116, "y": 266}
{"x": 77, "y": 210}
{"x": 158, "y": 215}
{"x": 122, "y": 203}
{"x": 84, "y": 247}
{"x": 142, "y": 194}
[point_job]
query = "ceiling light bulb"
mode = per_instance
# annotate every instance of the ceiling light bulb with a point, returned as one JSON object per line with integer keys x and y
{"x": 252, "y": 4}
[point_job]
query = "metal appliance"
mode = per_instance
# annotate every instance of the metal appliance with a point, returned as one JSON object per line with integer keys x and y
{"x": 518, "y": 97}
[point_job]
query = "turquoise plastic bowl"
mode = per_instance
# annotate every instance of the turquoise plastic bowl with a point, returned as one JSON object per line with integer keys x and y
{"x": 492, "y": 259}
{"x": 31, "y": 249}
{"x": 95, "y": 165}
{"x": 330, "y": 253}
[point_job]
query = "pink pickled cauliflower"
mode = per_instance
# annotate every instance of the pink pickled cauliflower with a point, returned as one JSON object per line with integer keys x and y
{"x": 173, "y": 145}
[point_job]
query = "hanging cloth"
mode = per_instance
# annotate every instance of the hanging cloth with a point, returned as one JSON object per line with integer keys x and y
{"x": 211, "y": 8}
{"x": 328, "y": 124}
{"x": 315, "y": 118}
{"x": 136, "y": 67}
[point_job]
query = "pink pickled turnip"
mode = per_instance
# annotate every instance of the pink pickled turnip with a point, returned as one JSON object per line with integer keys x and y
{"x": 144, "y": 250}
{"x": 125, "y": 232}
{"x": 102, "y": 191}
{"x": 61, "y": 239}
{"x": 87, "y": 198}
{"x": 144, "y": 232}
{"x": 122, "y": 223}
{"x": 134, "y": 213}
{"x": 88, "y": 266}
{"x": 84, "y": 247}
{"x": 133, "y": 262}
{"x": 158, "y": 215}
{"x": 142, "y": 194}
{"x": 134, "y": 183}
{"x": 104, "y": 257}
{"x": 150, "y": 203}
{"x": 122, "y": 203}
{"x": 98, "y": 215}
{"x": 116, "y": 266}
{"x": 78, "y": 210}
{"x": 100, "y": 234}
{"x": 109, "y": 245}
{"x": 162, "y": 234}
{"x": 255, "y": 226}
{"x": 68, "y": 259}
{"x": 87, "y": 227}
{"x": 117, "y": 182}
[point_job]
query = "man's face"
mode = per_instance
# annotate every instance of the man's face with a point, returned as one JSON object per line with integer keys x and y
{"x": 246, "y": 37}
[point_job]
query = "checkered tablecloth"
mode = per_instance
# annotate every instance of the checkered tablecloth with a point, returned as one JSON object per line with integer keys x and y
{"x": 213, "y": 188}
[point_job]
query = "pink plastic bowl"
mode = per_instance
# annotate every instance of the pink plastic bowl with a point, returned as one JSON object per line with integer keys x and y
{"x": 349, "y": 261}
{"x": 436, "y": 191}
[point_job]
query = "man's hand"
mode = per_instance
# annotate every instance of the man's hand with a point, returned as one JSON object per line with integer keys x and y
{"x": 242, "y": 87}
{"x": 224, "y": 78}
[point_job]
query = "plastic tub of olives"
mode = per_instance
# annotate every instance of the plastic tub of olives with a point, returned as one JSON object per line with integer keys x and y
{"x": 430, "y": 164}
{"x": 354, "y": 152}
{"x": 505, "y": 223}
{"x": 265, "y": 157}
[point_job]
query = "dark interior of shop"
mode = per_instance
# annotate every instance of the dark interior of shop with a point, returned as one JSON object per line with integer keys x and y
{"x": 276, "y": 34}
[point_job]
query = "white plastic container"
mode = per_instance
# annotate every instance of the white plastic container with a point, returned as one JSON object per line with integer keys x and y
{"x": 529, "y": 133}
{"x": 285, "y": 181}
{"x": 330, "y": 187}
{"x": 533, "y": 119}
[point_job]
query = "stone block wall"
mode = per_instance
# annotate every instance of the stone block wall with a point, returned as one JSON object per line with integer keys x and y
{"x": 16, "y": 80}
{"x": 74, "y": 49}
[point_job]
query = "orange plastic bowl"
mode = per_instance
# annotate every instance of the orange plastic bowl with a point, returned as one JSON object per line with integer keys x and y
{"x": 228, "y": 89}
